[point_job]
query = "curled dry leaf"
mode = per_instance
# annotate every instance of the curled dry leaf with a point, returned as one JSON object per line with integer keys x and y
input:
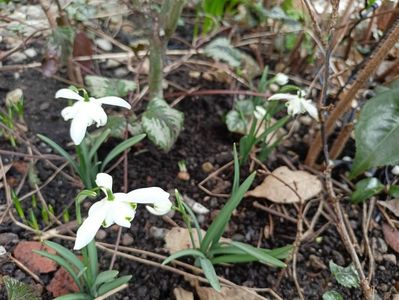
{"x": 279, "y": 186}
{"x": 182, "y": 294}
{"x": 391, "y": 236}
{"x": 392, "y": 205}
{"x": 178, "y": 238}
{"x": 205, "y": 293}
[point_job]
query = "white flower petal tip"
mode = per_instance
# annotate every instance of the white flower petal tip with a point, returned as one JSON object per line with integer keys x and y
{"x": 297, "y": 104}
{"x": 104, "y": 180}
{"x": 281, "y": 79}
{"x": 111, "y": 100}
{"x": 259, "y": 112}
{"x": 68, "y": 94}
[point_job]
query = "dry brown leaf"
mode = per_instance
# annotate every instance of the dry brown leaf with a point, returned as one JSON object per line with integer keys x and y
{"x": 178, "y": 238}
{"x": 391, "y": 236}
{"x": 205, "y": 293}
{"x": 182, "y": 294}
{"x": 392, "y": 205}
{"x": 306, "y": 185}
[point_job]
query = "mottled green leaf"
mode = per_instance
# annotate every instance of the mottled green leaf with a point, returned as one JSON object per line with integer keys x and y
{"x": 332, "y": 295}
{"x": 99, "y": 86}
{"x": 345, "y": 276}
{"x": 162, "y": 123}
{"x": 17, "y": 290}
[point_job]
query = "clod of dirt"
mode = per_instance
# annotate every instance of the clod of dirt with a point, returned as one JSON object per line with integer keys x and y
{"x": 34, "y": 262}
{"x": 62, "y": 284}
{"x": 391, "y": 236}
{"x": 279, "y": 187}
{"x": 182, "y": 294}
{"x": 205, "y": 293}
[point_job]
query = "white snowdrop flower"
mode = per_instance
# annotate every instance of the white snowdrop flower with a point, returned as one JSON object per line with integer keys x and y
{"x": 259, "y": 112}
{"x": 395, "y": 170}
{"x": 297, "y": 104}
{"x": 281, "y": 79}
{"x": 119, "y": 208}
{"x": 86, "y": 111}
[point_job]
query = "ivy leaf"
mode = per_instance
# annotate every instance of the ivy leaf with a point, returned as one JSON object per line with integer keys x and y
{"x": 377, "y": 133}
{"x": 99, "y": 86}
{"x": 365, "y": 189}
{"x": 332, "y": 295}
{"x": 17, "y": 290}
{"x": 345, "y": 276}
{"x": 162, "y": 123}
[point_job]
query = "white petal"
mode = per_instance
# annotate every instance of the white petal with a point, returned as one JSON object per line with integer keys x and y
{"x": 123, "y": 213}
{"x": 311, "y": 109}
{"x": 160, "y": 208}
{"x": 68, "y": 94}
{"x": 147, "y": 195}
{"x": 98, "y": 115}
{"x": 78, "y": 127}
{"x": 69, "y": 112}
{"x": 111, "y": 100}
{"x": 88, "y": 229}
{"x": 283, "y": 96}
{"x": 294, "y": 107}
{"x": 104, "y": 180}
{"x": 281, "y": 79}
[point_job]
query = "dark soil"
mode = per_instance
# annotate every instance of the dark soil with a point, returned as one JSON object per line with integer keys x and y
{"x": 204, "y": 139}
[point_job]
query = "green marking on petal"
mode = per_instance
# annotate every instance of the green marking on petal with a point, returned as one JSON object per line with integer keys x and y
{"x": 129, "y": 218}
{"x": 104, "y": 224}
{"x": 133, "y": 205}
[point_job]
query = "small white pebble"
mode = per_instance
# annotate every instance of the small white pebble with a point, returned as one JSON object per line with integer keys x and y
{"x": 395, "y": 170}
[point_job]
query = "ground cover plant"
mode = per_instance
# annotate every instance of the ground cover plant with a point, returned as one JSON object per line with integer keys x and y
{"x": 260, "y": 137}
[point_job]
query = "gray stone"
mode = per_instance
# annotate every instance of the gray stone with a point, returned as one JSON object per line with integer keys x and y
{"x": 17, "y": 57}
{"x": 8, "y": 238}
{"x": 121, "y": 72}
{"x": 101, "y": 234}
{"x": 104, "y": 44}
{"x": 111, "y": 64}
{"x": 30, "y": 52}
{"x": 44, "y": 105}
{"x": 127, "y": 239}
{"x": 158, "y": 233}
{"x": 391, "y": 258}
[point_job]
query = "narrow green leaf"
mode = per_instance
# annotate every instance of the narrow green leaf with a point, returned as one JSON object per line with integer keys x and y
{"x": 105, "y": 276}
{"x": 93, "y": 258}
{"x": 210, "y": 273}
{"x": 75, "y": 296}
{"x": 66, "y": 254}
{"x": 106, "y": 287}
{"x": 99, "y": 141}
{"x": 365, "y": 189}
{"x": 120, "y": 148}
{"x": 236, "y": 179}
{"x": 63, "y": 263}
{"x": 259, "y": 254}
{"x": 61, "y": 151}
{"x": 185, "y": 252}
{"x": 218, "y": 226}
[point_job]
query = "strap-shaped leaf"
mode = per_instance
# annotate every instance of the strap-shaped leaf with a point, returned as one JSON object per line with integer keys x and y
{"x": 218, "y": 226}
{"x": 63, "y": 263}
{"x": 120, "y": 148}
{"x": 60, "y": 150}
{"x": 99, "y": 140}
{"x": 185, "y": 252}
{"x": 259, "y": 254}
{"x": 106, "y": 287}
{"x": 105, "y": 276}
{"x": 75, "y": 296}
{"x": 210, "y": 273}
{"x": 66, "y": 254}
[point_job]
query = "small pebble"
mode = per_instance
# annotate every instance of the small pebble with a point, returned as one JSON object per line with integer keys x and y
{"x": 121, "y": 72}
{"x": 158, "y": 233}
{"x": 101, "y": 234}
{"x": 127, "y": 239}
{"x": 395, "y": 170}
{"x": 104, "y": 44}
{"x": 207, "y": 167}
{"x": 30, "y": 52}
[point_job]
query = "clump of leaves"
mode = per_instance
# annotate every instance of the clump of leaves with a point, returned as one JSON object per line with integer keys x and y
{"x": 17, "y": 290}
{"x": 345, "y": 276}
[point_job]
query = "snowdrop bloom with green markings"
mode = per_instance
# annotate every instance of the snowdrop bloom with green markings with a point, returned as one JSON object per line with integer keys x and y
{"x": 86, "y": 111}
{"x": 297, "y": 104}
{"x": 281, "y": 79}
{"x": 119, "y": 208}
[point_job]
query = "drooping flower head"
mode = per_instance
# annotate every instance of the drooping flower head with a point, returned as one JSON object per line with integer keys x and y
{"x": 119, "y": 208}
{"x": 297, "y": 104}
{"x": 86, "y": 111}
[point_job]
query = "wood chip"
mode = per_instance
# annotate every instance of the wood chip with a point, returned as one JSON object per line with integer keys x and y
{"x": 305, "y": 184}
{"x": 392, "y": 205}
{"x": 205, "y": 293}
{"x": 391, "y": 236}
{"x": 182, "y": 294}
